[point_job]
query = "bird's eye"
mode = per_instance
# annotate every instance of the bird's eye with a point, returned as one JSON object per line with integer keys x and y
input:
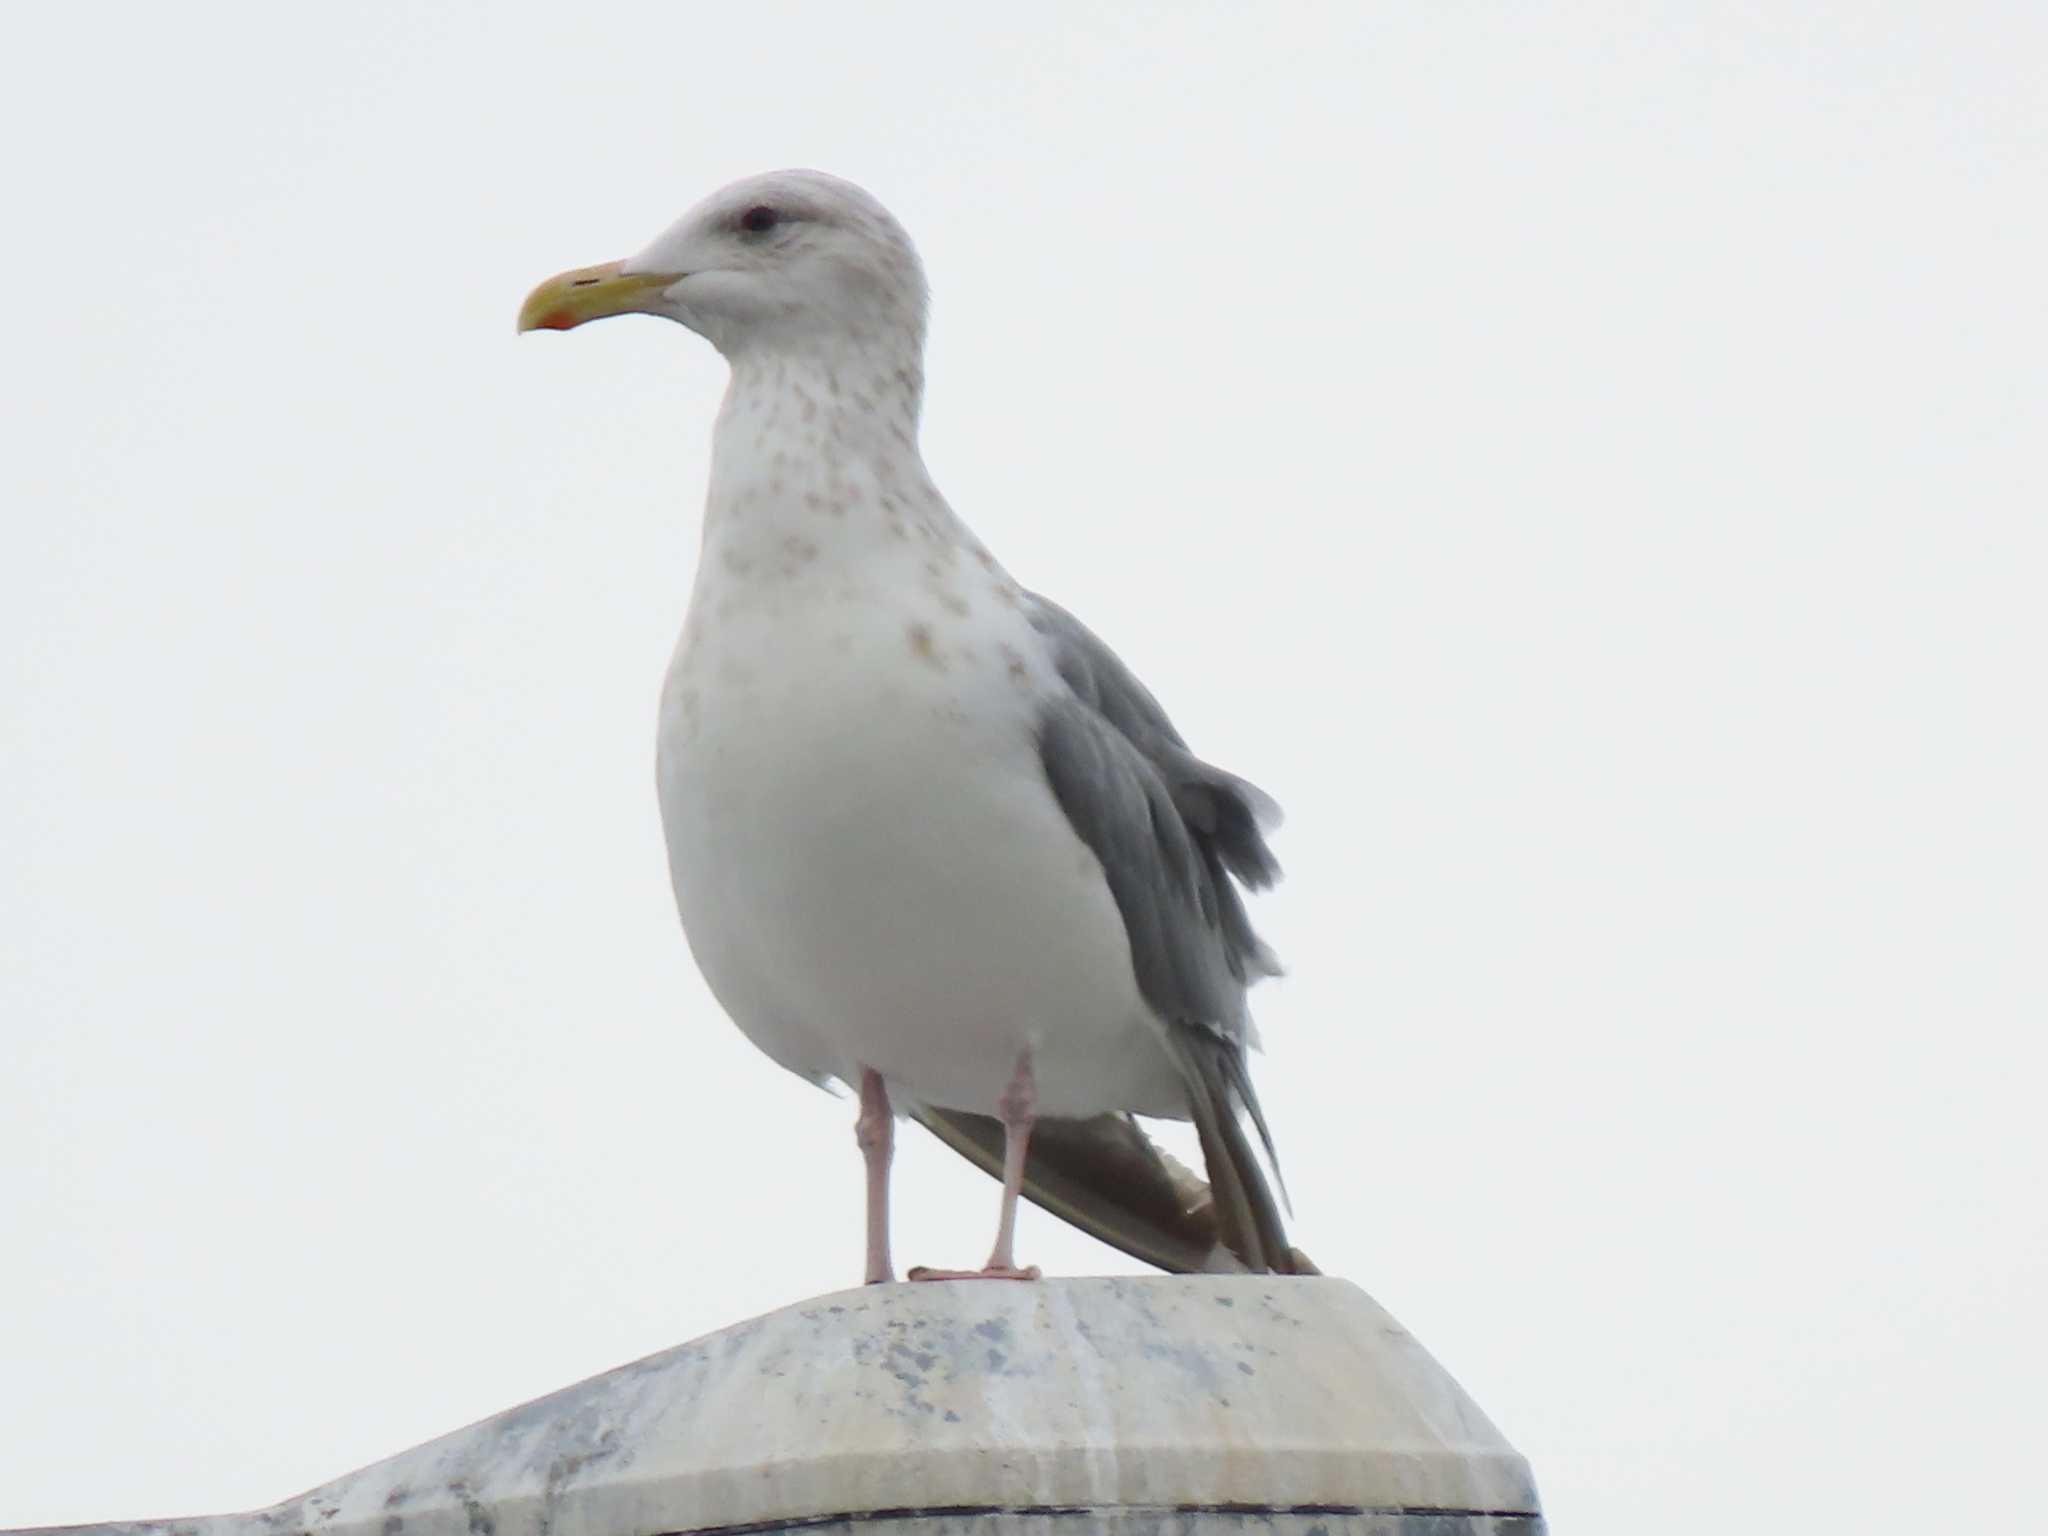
{"x": 759, "y": 219}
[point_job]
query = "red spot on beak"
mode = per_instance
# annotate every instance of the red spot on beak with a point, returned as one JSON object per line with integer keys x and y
{"x": 556, "y": 320}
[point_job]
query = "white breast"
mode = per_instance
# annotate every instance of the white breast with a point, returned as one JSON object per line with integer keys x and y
{"x": 869, "y": 865}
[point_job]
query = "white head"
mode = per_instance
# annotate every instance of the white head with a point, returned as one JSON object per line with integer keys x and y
{"x": 789, "y": 262}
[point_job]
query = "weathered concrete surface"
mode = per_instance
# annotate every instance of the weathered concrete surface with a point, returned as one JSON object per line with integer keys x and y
{"x": 1131, "y": 1406}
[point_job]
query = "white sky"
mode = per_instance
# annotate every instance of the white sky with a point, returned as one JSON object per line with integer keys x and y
{"x": 1586, "y": 460}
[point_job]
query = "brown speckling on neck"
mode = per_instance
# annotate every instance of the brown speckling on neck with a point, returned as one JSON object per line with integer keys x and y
{"x": 924, "y": 648}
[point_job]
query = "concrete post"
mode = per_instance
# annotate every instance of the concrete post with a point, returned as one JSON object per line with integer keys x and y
{"x": 1138, "y": 1407}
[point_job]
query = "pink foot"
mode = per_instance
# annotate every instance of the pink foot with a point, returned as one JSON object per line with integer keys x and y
{"x": 993, "y": 1272}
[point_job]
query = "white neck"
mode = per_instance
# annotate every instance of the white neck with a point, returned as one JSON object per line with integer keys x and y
{"x": 819, "y": 449}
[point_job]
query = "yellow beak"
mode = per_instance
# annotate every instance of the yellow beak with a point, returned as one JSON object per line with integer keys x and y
{"x": 568, "y": 299}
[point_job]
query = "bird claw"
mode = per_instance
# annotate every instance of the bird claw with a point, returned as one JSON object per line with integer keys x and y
{"x": 992, "y": 1272}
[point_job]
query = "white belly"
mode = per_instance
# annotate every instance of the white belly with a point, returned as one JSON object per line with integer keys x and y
{"x": 870, "y": 867}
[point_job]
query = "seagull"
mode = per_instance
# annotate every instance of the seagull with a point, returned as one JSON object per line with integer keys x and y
{"x": 929, "y": 837}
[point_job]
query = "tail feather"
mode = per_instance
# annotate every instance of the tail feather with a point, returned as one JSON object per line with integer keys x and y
{"x": 1240, "y": 1081}
{"x": 1247, "y": 1217}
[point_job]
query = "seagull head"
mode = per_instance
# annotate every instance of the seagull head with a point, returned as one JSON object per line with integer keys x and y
{"x": 790, "y": 261}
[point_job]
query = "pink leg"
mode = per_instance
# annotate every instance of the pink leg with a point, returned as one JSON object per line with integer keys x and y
{"x": 1018, "y": 1107}
{"x": 875, "y": 1131}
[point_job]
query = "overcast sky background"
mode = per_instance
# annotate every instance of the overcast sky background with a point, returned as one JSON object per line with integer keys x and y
{"x": 1585, "y": 459}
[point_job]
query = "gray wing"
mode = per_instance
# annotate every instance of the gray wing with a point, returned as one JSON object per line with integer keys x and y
{"x": 1169, "y": 828}
{"x": 1174, "y": 835}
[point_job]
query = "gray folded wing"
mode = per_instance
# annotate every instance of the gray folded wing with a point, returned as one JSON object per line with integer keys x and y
{"x": 1174, "y": 836}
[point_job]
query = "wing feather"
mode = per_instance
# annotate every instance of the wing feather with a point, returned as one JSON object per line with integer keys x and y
{"x": 1175, "y": 836}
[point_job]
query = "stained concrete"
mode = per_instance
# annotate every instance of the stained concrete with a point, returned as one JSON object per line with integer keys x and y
{"x": 1135, "y": 1407}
